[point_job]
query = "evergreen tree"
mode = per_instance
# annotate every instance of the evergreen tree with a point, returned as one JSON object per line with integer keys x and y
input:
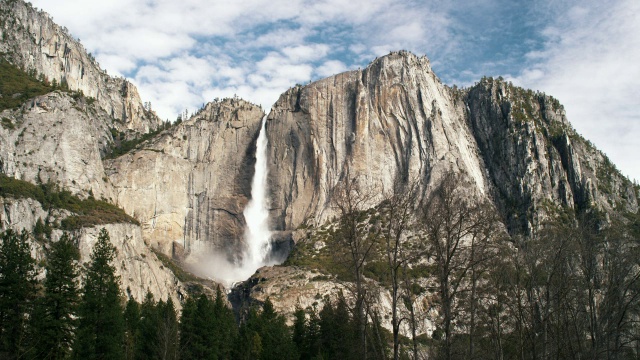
{"x": 188, "y": 328}
{"x": 265, "y": 336}
{"x": 275, "y": 335}
{"x": 157, "y": 330}
{"x": 339, "y": 332}
{"x": 167, "y": 330}
{"x": 131, "y": 324}
{"x": 147, "y": 336}
{"x": 54, "y": 320}
{"x": 248, "y": 344}
{"x": 225, "y": 328}
{"x": 17, "y": 292}
{"x": 306, "y": 333}
{"x": 101, "y": 322}
{"x": 203, "y": 344}
{"x": 300, "y": 332}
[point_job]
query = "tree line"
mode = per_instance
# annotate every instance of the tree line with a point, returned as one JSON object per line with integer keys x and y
{"x": 56, "y": 318}
{"x": 568, "y": 290}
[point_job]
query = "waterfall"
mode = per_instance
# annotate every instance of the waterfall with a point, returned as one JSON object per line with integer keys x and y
{"x": 257, "y": 234}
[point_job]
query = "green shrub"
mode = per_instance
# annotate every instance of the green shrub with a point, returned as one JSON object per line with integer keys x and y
{"x": 18, "y": 86}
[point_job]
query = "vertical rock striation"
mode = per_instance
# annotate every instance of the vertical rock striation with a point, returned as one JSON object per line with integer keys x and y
{"x": 392, "y": 120}
{"x": 536, "y": 161}
{"x": 191, "y": 183}
{"x": 56, "y": 138}
{"x": 396, "y": 120}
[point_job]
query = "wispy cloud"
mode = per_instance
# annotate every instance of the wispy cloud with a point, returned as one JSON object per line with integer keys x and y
{"x": 182, "y": 54}
{"x": 590, "y": 63}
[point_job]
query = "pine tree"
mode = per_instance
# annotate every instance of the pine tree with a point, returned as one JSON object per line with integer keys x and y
{"x": 188, "y": 328}
{"x": 300, "y": 332}
{"x": 101, "y": 322}
{"x": 225, "y": 330}
{"x": 147, "y": 340}
{"x": 17, "y": 292}
{"x": 54, "y": 320}
{"x": 277, "y": 343}
{"x": 167, "y": 330}
{"x": 131, "y": 324}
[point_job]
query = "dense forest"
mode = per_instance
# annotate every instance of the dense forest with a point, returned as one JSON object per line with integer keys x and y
{"x": 56, "y": 318}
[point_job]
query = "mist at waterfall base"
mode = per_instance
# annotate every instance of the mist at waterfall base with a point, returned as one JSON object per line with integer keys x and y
{"x": 257, "y": 236}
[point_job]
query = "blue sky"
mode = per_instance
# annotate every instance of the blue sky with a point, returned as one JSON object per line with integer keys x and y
{"x": 182, "y": 54}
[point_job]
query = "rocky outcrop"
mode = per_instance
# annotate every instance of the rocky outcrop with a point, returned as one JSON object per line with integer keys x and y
{"x": 392, "y": 120}
{"x": 139, "y": 269}
{"x": 292, "y": 288}
{"x": 57, "y": 138}
{"x": 535, "y": 160}
{"x": 32, "y": 41}
{"x": 396, "y": 120}
{"x": 190, "y": 184}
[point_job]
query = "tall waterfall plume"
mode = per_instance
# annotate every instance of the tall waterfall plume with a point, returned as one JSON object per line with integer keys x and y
{"x": 257, "y": 236}
{"x": 256, "y": 214}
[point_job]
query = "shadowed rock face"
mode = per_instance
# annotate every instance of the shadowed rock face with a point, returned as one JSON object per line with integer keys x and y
{"x": 535, "y": 160}
{"x": 191, "y": 184}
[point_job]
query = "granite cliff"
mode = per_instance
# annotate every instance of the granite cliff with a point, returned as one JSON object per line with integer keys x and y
{"x": 61, "y": 138}
{"x": 395, "y": 119}
{"x": 189, "y": 185}
{"x": 33, "y": 42}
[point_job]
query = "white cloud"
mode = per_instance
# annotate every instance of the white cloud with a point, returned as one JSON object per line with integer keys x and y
{"x": 590, "y": 63}
{"x": 330, "y": 67}
{"x": 184, "y": 53}
{"x": 252, "y": 47}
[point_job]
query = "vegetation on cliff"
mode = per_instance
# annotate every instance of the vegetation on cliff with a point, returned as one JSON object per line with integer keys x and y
{"x": 85, "y": 212}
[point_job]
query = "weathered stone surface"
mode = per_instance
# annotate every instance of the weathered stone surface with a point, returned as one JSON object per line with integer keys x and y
{"x": 56, "y": 138}
{"x": 292, "y": 288}
{"x": 191, "y": 184}
{"x": 18, "y": 214}
{"x": 536, "y": 161}
{"x": 394, "y": 119}
{"x": 138, "y": 267}
{"x": 31, "y": 40}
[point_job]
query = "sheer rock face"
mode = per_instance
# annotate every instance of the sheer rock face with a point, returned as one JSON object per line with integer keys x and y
{"x": 536, "y": 162}
{"x": 395, "y": 119}
{"x": 392, "y": 120}
{"x": 190, "y": 184}
{"x": 32, "y": 41}
{"x": 138, "y": 267}
{"x": 57, "y": 138}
